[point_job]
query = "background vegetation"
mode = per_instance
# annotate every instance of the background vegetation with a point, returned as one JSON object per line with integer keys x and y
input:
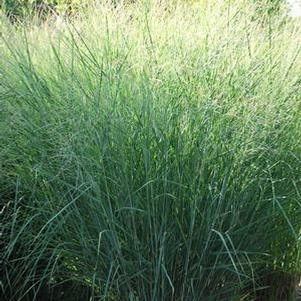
{"x": 20, "y": 9}
{"x": 150, "y": 152}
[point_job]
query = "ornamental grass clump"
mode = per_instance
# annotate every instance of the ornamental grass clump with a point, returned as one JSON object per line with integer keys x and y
{"x": 150, "y": 152}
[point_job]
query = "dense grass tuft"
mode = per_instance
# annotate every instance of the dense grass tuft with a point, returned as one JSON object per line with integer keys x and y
{"x": 150, "y": 152}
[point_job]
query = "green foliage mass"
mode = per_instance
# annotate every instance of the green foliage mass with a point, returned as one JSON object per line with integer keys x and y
{"x": 150, "y": 153}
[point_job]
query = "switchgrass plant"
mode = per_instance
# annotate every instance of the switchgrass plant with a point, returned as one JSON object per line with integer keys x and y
{"x": 150, "y": 152}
